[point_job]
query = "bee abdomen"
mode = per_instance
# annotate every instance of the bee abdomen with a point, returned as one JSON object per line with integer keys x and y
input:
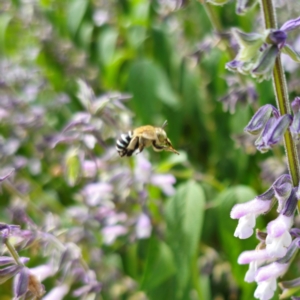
{"x": 123, "y": 142}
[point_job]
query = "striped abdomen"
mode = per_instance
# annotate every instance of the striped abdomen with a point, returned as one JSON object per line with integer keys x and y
{"x": 122, "y": 144}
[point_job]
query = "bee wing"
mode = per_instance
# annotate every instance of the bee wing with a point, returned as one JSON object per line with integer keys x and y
{"x": 147, "y": 132}
{"x": 150, "y": 135}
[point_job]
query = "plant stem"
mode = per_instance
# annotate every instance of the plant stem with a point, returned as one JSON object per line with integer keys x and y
{"x": 13, "y": 252}
{"x": 214, "y": 19}
{"x": 282, "y": 98}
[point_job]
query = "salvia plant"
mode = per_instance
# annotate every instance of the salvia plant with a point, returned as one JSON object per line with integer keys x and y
{"x": 259, "y": 55}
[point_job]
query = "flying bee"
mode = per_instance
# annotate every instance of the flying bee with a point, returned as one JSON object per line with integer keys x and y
{"x": 142, "y": 137}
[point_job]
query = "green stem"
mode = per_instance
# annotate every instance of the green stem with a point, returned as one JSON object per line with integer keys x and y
{"x": 215, "y": 21}
{"x": 282, "y": 98}
{"x": 13, "y": 252}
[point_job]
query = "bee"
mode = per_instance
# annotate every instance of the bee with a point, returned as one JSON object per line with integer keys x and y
{"x": 142, "y": 137}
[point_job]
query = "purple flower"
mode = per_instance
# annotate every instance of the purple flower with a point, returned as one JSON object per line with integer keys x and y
{"x": 296, "y": 105}
{"x": 273, "y": 132}
{"x": 290, "y": 25}
{"x": 21, "y": 282}
{"x": 247, "y": 213}
{"x": 279, "y": 238}
{"x": 282, "y": 188}
{"x": 42, "y": 272}
{"x": 95, "y": 193}
{"x": 258, "y": 52}
{"x": 110, "y": 233}
{"x": 142, "y": 169}
{"x": 57, "y": 293}
{"x": 143, "y": 226}
{"x": 254, "y": 258}
{"x": 260, "y": 119}
{"x": 165, "y": 182}
{"x": 266, "y": 279}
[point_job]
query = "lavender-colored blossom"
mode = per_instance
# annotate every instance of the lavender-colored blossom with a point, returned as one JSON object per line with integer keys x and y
{"x": 277, "y": 37}
{"x": 266, "y": 278}
{"x": 254, "y": 258}
{"x": 295, "y": 127}
{"x": 92, "y": 286}
{"x": 296, "y": 105}
{"x": 165, "y": 182}
{"x": 43, "y": 271}
{"x": 247, "y": 213}
{"x": 95, "y": 193}
{"x": 282, "y": 188}
{"x": 258, "y": 52}
{"x": 7, "y": 230}
{"x": 110, "y": 233}
{"x": 142, "y": 169}
{"x": 279, "y": 238}
{"x": 9, "y": 272}
{"x": 274, "y": 133}
{"x": 143, "y": 226}
{"x": 290, "y": 25}
{"x": 57, "y": 293}
{"x": 260, "y": 118}
{"x": 21, "y": 282}
{"x": 114, "y": 218}
{"x": 90, "y": 168}
{"x": 8, "y": 173}
{"x": 7, "y": 260}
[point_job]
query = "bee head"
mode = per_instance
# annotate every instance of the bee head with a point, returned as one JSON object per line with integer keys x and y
{"x": 161, "y": 135}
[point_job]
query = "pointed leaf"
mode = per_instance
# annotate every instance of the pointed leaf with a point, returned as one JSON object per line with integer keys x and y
{"x": 76, "y": 11}
{"x": 159, "y": 265}
{"x": 184, "y": 214}
{"x": 288, "y": 50}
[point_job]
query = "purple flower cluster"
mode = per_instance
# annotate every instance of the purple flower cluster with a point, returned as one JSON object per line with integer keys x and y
{"x": 258, "y": 51}
{"x": 275, "y": 250}
{"x": 271, "y": 126}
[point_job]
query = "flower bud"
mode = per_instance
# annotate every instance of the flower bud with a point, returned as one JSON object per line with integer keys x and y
{"x": 21, "y": 282}
{"x": 276, "y": 37}
{"x": 249, "y": 43}
{"x": 273, "y": 133}
{"x": 282, "y": 188}
{"x": 259, "y": 120}
{"x": 290, "y": 204}
{"x": 264, "y": 68}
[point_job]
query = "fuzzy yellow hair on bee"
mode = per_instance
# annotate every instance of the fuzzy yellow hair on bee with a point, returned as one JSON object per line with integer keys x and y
{"x": 144, "y": 136}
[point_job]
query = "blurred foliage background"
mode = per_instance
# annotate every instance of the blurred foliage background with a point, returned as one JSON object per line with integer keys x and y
{"x": 168, "y": 62}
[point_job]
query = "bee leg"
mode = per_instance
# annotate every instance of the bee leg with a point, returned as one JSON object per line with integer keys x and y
{"x": 133, "y": 145}
{"x": 140, "y": 145}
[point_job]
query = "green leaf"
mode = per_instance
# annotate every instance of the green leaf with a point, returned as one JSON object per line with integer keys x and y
{"x": 73, "y": 166}
{"x": 184, "y": 214}
{"x": 159, "y": 265}
{"x": 150, "y": 87}
{"x": 217, "y": 2}
{"x": 4, "y": 21}
{"x": 76, "y": 11}
{"x": 106, "y": 45}
{"x": 288, "y": 50}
